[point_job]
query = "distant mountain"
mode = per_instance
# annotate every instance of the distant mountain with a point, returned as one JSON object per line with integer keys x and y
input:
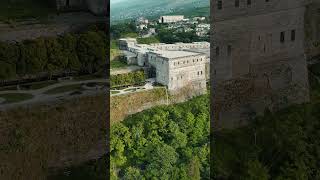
{"x": 128, "y": 9}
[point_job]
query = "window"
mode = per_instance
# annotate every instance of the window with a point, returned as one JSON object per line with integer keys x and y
{"x": 282, "y": 37}
{"x": 229, "y": 50}
{"x": 293, "y": 35}
{"x": 267, "y": 0}
{"x": 237, "y": 3}
{"x": 220, "y": 4}
{"x": 217, "y": 51}
{"x": 248, "y": 2}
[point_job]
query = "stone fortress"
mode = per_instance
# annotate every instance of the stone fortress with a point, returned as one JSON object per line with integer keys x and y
{"x": 97, "y": 7}
{"x": 176, "y": 65}
{"x": 258, "y": 58}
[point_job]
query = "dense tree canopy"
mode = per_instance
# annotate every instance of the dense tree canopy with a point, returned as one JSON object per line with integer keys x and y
{"x": 287, "y": 146}
{"x": 169, "y": 142}
{"x": 131, "y": 78}
{"x": 85, "y": 53}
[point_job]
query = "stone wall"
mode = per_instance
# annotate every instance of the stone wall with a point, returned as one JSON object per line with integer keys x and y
{"x": 258, "y": 57}
{"x": 312, "y": 29}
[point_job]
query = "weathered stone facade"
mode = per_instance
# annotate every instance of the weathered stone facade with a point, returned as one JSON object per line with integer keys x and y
{"x": 312, "y": 24}
{"x": 259, "y": 44}
{"x": 176, "y": 66}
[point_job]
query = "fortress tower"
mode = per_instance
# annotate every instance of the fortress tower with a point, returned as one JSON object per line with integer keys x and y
{"x": 258, "y": 57}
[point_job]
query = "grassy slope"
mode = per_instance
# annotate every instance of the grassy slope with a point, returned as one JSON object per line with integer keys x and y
{"x": 15, "y": 97}
{"x": 122, "y": 105}
{"x": 32, "y": 138}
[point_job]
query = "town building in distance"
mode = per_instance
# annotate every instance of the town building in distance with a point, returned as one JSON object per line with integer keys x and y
{"x": 258, "y": 58}
{"x": 171, "y": 19}
{"x": 176, "y": 66}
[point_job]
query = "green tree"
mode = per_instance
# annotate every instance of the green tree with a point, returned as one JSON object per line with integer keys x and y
{"x": 256, "y": 171}
{"x": 132, "y": 173}
{"x": 194, "y": 169}
{"x": 34, "y": 54}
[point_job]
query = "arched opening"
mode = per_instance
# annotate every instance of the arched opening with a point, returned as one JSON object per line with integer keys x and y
{"x": 67, "y": 3}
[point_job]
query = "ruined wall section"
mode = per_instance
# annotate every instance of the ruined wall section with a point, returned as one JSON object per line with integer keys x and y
{"x": 312, "y": 29}
{"x": 258, "y": 58}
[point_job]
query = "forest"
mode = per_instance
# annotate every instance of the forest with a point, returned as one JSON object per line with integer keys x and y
{"x": 83, "y": 53}
{"x": 166, "y": 142}
{"x": 279, "y": 145}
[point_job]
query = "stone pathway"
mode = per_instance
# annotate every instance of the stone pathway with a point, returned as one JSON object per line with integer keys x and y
{"x": 40, "y": 96}
{"x": 147, "y": 86}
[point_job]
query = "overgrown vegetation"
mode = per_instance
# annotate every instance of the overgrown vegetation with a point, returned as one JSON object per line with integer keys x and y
{"x": 281, "y": 145}
{"x": 116, "y": 64}
{"x": 127, "y": 79}
{"x": 36, "y": 138}
{"x": 166, "y": 142}
{"x": 124, "y": 105}
{"x": 82, "y": 53}
{"x": 148, "y": 40}
{"x": 93, "y": 170}
{"x": 170, "y": 36}
{"x": 15, "y": 97}
{"x": 20, "y": 9}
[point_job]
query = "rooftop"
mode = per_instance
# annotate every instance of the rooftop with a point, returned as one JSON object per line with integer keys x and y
{"x": 176, "y": 54}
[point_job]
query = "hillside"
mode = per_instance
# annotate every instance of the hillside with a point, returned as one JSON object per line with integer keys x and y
{"x": 124, "y": 9}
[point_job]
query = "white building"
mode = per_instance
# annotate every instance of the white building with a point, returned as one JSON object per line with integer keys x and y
{"x": 202, "y": 29}
{"x": 171, "y": 19}
{"x": 176, "y": 65}
{"x": 142, "y": 23}
{"x": 199, "y": 18}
